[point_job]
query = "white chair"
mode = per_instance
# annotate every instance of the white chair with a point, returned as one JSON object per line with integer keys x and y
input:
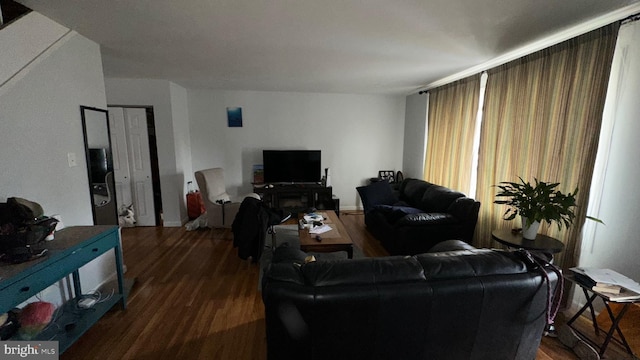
{"x": 221, "y": 211}
{"x": 104, "y": 205}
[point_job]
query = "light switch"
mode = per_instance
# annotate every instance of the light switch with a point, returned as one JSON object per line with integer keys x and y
{"x": 71, "y": 157}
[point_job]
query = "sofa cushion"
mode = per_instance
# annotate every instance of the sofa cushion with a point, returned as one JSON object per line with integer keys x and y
{"x": 438, "y": 198}
{"x": 376, "y": 193}
{"x": 393, "y": 213}
{"x": 369, "y": 271}
{"x": 412, "y": 190}
{"x": 469, "y": 263}
{"x": 286, "y": 253}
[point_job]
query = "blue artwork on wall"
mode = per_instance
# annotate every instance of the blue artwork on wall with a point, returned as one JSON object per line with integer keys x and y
{"x": 234, "y": 116}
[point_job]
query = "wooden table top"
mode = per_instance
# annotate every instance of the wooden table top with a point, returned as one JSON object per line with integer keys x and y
{"x": 337, "y": 236}
{"x": 515, "y": 240}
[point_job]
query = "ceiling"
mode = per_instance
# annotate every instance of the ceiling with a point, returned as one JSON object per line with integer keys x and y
{"x": 343, "y": 46}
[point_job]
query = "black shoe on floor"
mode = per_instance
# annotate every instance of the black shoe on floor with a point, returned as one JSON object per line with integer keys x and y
{"x": 570, "y": 339}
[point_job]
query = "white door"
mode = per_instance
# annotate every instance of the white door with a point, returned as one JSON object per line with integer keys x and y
{"x": 121, "y": 172}
{"x": 132, "y": 162}
{"x": 140, "y": 165}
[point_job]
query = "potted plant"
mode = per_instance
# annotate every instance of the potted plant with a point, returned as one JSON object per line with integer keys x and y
{"x": 536, "y": 203}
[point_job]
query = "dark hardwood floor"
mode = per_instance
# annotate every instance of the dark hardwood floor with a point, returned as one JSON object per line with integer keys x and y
{"x": 195, "y": 299}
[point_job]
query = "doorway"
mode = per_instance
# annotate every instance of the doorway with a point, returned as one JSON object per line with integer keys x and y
{"x": 135, "y": 162}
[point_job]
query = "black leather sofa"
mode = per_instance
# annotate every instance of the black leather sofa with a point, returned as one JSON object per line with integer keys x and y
{"x": 416, "y": 216}
{"x": 456, "y": 304}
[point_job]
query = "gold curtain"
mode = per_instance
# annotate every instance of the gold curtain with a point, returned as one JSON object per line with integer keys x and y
{"x": 452, "y": 118}
{"x": 542, "y": 119}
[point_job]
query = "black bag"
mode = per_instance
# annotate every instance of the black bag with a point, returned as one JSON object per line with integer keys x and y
{"x": 23, "y": 230}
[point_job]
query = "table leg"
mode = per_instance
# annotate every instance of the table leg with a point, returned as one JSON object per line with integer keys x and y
{"x": 272, "y": 231}
{"x": 596, "y": 328}
{"x": 120, "y": 275}
{"x": 76, "y": 283}
{"x": 615, "y": 321}
{"x": 588, "y": 305}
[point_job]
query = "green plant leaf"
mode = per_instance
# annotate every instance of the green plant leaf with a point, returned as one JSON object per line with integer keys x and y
{"x": 538, "y": 202}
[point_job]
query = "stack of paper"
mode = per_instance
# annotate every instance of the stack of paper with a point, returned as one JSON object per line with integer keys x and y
{"x": 320, "y": 229}
{"x": 613, "y": 285}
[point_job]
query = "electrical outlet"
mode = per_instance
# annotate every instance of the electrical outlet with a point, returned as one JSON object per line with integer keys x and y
{"x": 71, "y": 158}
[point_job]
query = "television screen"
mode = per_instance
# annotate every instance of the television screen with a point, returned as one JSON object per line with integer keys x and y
{"x": 99, "y": 165}
{"x": 291, "y": 166}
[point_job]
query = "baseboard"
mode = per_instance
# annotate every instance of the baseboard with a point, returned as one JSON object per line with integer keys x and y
{"x": 173, "y": 223}
{"x": 350, "y": 208}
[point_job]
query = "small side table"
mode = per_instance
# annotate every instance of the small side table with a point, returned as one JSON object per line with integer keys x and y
{"x": 541, "y": 243}
{"x": 591, "y": 296}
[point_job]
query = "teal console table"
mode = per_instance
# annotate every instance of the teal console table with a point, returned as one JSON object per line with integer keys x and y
{"x": 72, "y": 248}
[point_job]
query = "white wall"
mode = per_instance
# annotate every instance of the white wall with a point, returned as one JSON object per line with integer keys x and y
{"x": 180, "y": 115}
{"x": 415, "y": 136}
{"x": 41, "y": 123}
{"x": 24, "y": 41}
{"x": 616, "y": 245}
{"x": 357, "y": 134}
{"x": 159, "y": 94}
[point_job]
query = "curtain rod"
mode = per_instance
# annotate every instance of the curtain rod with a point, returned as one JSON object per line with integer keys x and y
{"x": 621, "y": 14}
{"x": 631, "y": 18}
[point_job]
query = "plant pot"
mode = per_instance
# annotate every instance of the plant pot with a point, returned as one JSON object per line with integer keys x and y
{"x": 530, "y": 232}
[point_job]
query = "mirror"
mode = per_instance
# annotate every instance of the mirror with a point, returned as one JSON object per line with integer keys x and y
{"x": 95, "y": 127}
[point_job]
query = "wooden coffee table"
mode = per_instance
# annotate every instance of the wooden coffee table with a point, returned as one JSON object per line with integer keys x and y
{"x": 335, "y": 240}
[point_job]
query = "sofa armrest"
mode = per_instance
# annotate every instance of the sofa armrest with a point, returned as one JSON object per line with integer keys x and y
{"x": 464, "y": 209}
{"x": 285, "y": 266}
{"x": 393, "y": 213}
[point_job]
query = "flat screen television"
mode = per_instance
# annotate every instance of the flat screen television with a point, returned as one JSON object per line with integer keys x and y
{"x": 291, "y": 166}
{"x": 99, "y": 164}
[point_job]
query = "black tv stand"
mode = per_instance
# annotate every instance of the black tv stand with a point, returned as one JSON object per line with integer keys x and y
{"x": 298, "y": 197}
{"x": 294, "y": 184}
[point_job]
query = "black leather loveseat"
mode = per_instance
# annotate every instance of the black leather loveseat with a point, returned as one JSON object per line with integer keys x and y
{"x": 462, "y": 304}
{"x": 418, "y": 215}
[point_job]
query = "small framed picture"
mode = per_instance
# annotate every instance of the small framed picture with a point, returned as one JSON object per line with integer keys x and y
{"x": 234, "y": 116}
{"x": 388, "y": 175}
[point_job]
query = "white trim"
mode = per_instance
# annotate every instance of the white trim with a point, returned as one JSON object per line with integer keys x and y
{"x": 539, "y": 45}
{"x": 351, "y": 208}
{"x": 173, "y": 223}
